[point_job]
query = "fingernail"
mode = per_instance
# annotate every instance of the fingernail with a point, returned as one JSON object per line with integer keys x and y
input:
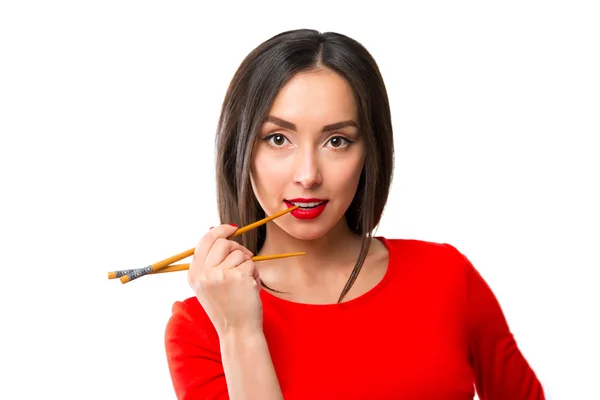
{"x": 211, "y": 228}
{"x": 234, "y": 225}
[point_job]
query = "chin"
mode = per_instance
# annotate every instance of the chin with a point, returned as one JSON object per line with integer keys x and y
{"x": 302, "y": 234}
{"x": 313, "y": 230}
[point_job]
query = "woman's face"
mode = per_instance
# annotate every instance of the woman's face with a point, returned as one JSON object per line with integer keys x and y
{"x": 309, "y": 153}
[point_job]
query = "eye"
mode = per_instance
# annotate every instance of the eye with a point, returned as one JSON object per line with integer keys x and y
{"x": 339, "y": 142}
{"x": 276, "y": 140}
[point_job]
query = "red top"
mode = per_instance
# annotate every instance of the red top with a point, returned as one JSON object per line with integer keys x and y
{"x": 431, "y": 329}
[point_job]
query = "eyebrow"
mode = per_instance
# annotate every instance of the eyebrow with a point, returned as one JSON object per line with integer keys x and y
{"x": 331, "y": 127}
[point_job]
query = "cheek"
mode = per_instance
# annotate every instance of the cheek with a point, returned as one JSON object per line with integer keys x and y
{"x": 345, "y": 176}
{"x": 267, "y": 175}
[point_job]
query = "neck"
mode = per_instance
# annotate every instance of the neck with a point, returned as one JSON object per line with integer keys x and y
{"x": 337, "y": 249}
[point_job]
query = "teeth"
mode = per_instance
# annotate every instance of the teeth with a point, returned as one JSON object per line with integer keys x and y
{"x": 307, "y": 205}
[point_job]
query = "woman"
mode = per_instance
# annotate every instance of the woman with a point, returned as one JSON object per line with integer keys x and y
{"x": 306, "y": 121}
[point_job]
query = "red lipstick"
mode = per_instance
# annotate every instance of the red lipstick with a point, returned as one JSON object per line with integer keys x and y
{"x": 310, "y": 208}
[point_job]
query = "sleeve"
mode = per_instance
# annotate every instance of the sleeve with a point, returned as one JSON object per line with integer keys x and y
{"x": 501, "y": 371}
{"x": 193, "y": 354}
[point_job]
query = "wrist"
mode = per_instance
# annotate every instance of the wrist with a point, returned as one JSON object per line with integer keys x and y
{"x": 240, "y": 342}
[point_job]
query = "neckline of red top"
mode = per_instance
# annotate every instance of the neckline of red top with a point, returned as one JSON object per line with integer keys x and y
{"x": 269, "y": 297}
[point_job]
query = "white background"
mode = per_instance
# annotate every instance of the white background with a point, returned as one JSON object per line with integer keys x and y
{"x": 107, "y": 119}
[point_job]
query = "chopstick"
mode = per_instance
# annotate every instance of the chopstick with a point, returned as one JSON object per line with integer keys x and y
{"x": 183, "y": 267}
{"x": 156, "y": 267}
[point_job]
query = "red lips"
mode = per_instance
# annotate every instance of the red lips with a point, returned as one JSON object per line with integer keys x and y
{"x": 307, "y": 213}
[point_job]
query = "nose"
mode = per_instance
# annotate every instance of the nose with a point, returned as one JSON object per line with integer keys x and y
{"x": 307, "y": 171}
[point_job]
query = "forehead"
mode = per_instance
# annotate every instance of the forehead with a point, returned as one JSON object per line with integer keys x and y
{"x": 321, "y": 96}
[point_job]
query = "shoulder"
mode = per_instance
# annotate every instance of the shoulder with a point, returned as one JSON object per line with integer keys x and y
{"x": 421, "y": 250}
{"x": 427, "y": 258}
{"x": 188, "y": 321}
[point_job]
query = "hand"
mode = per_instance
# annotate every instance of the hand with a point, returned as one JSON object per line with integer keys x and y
{"x": 226, "y": 283}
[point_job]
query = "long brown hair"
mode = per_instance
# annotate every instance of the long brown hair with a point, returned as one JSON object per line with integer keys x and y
{"x": 248, "y": 100}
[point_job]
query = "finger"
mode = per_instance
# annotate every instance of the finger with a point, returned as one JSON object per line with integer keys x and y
{"x": 225, "y": 231}
{"x": 218, "y": 252}
{"x": 208, "y": 240}
{"x": 249, "y": 271}
{"x": 237, "y": 267}
{"x": 234, "y": 259}
{"x": 222, "y": 257}
{"x": 246, "y": 269}
{"x": 221, "y": 249}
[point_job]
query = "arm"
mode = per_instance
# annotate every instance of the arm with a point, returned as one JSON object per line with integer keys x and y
{"x": 501, "y": 371}
{"x": 248, "y": 367}
{"x": 203, "y": 367}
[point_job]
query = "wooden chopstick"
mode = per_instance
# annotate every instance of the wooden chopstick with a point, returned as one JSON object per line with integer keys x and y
{"x": 183, "y": 267}
{"x": 156, "y": 267}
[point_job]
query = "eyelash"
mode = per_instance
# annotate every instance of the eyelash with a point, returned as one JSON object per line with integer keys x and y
{"x": 348, "y": 141}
